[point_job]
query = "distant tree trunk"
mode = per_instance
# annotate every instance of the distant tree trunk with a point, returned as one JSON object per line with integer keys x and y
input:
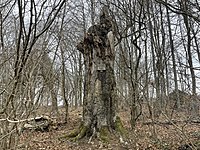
{"x": 173, "y": 61}
{"x": 185, "y": 6}
{"x": 196, "y": 43}
{"x": 54, "y": 100}
{"x": 163, "y": 60}
{"x": 80, "y": 80}
{"x": 49, "y": 78}
{"x": 63, "y": 79}
{"x": 76, "y": 101}
{"x": 63, "y": 87}
{"x": 156, "y": 109}
{"x": 99, "y": 85}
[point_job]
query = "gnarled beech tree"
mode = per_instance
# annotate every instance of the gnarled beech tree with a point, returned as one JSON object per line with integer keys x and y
{"x": 99, "y": 108}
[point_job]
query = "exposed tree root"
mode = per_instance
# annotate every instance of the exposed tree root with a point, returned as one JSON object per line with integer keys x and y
{"x": 76, "y": 134}
{"x": 82, "y": 132}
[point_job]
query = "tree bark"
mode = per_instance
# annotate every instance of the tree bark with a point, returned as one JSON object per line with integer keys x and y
{"x": 99, "y": 84}
{"x": 187, "y": 22}
{"x": 173, "y": 61}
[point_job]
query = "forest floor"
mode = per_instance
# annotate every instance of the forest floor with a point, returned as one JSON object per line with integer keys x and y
{"x": 163, "y": 133}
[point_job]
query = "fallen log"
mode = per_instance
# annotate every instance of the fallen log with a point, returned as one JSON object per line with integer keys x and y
{"x": 40, "y": 123}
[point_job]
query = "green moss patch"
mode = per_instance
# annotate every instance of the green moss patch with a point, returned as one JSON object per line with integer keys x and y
{"x": 104, "y": 134}
{"x": 119, "y": 127}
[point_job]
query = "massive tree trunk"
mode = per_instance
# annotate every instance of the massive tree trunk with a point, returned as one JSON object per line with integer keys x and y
{"x": 97, "y": 48}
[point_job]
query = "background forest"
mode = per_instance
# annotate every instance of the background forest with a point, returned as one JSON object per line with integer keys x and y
{"x": 157, "y": 69}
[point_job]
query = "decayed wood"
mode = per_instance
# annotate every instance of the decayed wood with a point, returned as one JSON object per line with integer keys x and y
{"x": 26, "y": 120}
{"x": 97, "y": 48}
{"x": 41, "y": 123}
{"x": 37, "y": 123}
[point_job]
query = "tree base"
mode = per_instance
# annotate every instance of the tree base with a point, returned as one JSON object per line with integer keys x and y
{"x": 76, "y": 134}
{"x": 103, "y": 134}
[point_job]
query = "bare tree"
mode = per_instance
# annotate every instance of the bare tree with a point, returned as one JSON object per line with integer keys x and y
{"x": 99, "y": 85}
{"x": 186, "y": 7}
{"x": 27, "y": 31}
{"x": 173, "y": 60}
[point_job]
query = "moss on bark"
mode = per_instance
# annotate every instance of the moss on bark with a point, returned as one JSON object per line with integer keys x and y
{"x": 119, "y": 127}
{"x": 81, "y": 134}
{"x": 76, "y": 134}
{"x": 104, "y": 134}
